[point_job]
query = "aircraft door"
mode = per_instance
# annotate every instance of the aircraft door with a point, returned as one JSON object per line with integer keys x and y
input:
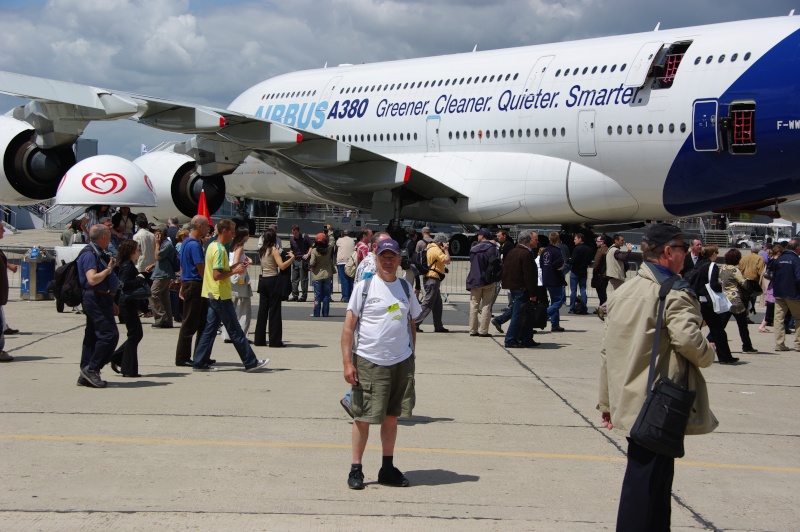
{"x": 705, "y": 135}
{"x": 641, "y": 64}
{"x": 535, "y": 79}
{"x": 326, "y": 94}
{"x": 433, "y": 132}
{"x": 586, "y": 145}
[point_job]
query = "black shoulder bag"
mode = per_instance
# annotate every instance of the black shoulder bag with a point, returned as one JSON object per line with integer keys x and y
{"x": 662, "y": 422}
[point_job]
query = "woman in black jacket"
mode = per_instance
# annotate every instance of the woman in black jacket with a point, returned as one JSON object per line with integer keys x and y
{"x": 125, "y": 359}
{"x": 716, "y": 325}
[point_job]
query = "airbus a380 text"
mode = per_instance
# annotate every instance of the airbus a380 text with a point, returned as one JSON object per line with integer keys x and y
{"x": 652, "y": 125}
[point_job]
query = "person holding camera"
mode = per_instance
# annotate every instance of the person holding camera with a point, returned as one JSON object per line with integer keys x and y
{"x": 322, "y": 270}
{"x": 438, "y": 254}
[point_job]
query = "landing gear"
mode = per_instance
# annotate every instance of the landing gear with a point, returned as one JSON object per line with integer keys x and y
{"x": 459, "y": 245}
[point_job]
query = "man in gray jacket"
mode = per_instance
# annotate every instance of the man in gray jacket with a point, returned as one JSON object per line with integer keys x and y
{"x": 645, "y": 501}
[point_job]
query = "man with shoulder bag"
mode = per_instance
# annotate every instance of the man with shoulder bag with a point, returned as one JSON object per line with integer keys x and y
{"x": 633, "y": 356}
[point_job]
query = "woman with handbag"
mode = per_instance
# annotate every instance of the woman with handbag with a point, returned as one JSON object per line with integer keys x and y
{"x": 734, "y": 287}
{"x": 125, "y": 359}
{"x": 322, "y": 270}
{"x": 271, "y": 292}
{"x": 708, "y": 274}
{"x": 240, "y": 283}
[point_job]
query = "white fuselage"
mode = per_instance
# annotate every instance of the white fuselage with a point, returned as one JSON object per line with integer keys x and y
{"x": 567, "y": 132}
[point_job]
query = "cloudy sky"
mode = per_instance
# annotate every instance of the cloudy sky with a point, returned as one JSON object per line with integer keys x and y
{"x": 208, "y": 51}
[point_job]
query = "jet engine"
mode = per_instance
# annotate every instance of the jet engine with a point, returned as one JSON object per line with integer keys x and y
{"x": 177, "y": 185}
{"x": 29, "y": 173}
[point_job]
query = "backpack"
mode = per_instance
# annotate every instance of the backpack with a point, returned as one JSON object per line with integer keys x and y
{"x": 405, "y": 255}
{"x": 419, "y": 262}
{"x": 493, "y": 272}
{"x": 693, "y": 278}
{"x": 351, "y": 265}
{"x": 580, "y": 306}
{"x": 67, "y": 285}
{"x": 176, "y": 261}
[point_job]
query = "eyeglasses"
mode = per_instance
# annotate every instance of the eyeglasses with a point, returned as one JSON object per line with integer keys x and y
{"x": 684, "y": 247}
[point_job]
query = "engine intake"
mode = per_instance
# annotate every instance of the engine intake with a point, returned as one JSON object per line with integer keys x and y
{"x": 30, "y": 173}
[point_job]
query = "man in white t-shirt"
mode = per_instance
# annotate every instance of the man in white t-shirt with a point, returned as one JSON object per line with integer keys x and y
{"x": 378, "y": 354}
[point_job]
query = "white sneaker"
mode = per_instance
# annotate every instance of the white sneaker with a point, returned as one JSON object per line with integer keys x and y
{"x": 259, "y": 364}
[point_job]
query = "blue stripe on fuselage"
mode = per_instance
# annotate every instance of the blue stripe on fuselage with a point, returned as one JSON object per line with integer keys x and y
{"x": 704, "y": 181}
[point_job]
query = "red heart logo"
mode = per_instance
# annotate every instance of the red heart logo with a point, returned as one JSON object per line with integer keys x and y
{"x": 104, "y": 183}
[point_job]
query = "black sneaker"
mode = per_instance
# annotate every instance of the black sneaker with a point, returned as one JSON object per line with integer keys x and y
{"x": 84, "y": 382}
{"x": 93, "y": 377}
{"x": 497, "y": 326}
{"x": 356, "y": 479}
{"x": 392, "y": 477}
{"x": 556, "y": 328}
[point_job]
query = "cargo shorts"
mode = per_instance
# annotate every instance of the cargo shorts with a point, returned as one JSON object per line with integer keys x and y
{"x": 382, "y": 390}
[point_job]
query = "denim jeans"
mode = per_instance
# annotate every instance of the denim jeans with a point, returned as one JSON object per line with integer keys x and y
{"x": 517, "y": 333}
{"x": 223, "y": 311}
{"x": 322, "y": 296}
{"x": 574, "y": 282}
{"x": 345, "y": 283}
{"x": 556, "y": 295}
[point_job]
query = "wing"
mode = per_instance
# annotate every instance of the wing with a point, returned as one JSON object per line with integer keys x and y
{"x": 343, "y": 173}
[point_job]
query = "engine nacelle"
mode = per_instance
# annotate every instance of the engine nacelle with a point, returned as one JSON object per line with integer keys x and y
{"x": 29, "y": 173}
{"x": 177, "y": 185}
{"x": 790, "y": 210}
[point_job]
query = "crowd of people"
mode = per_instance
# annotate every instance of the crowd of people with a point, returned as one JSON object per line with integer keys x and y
{"x": 654, "y": 320}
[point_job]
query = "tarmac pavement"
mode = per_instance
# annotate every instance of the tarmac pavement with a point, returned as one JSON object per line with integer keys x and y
{"x": 500, "y": 439}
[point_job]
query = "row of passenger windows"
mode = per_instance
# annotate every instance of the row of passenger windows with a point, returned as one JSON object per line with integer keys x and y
{"x": 640, "y": 129}
{"x": 721, "y": 58}
{"x": 375, "y": 137}
{"x": 477, "y": 79}
{"x": 295, "y": 94}
{"x": 502, "y": 133}
{"x": 511, "y": 133}
{"x": 420, "y": 85}
{"x": 457, "y": 134}
{"x": 577, "y": 70}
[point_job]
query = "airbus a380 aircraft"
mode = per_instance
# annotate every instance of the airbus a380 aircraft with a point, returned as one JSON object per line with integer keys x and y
{"x": 617, "y": 129}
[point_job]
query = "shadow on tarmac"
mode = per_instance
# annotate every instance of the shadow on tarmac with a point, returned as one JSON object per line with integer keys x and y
{"x": 421, "y": 420}
{"x": 438, "y": 477}
{"x": 136, "y": 384}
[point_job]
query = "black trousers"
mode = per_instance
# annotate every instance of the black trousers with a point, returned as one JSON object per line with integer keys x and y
{"x": 741, "y": 322}
{"x": 602, "y": 290}
{"x": 127, "y": 355}
{"x": 269, "y": 312}
{"x": 716, "y": 331}
{"x": 195, "y": 310}
{"x": 645, "y": 502}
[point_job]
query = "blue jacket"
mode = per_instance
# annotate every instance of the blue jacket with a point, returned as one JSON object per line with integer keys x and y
{"x": 786, "y": 276}
{"x": 480, "y": 256}
{"x": 551, "y": 260}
